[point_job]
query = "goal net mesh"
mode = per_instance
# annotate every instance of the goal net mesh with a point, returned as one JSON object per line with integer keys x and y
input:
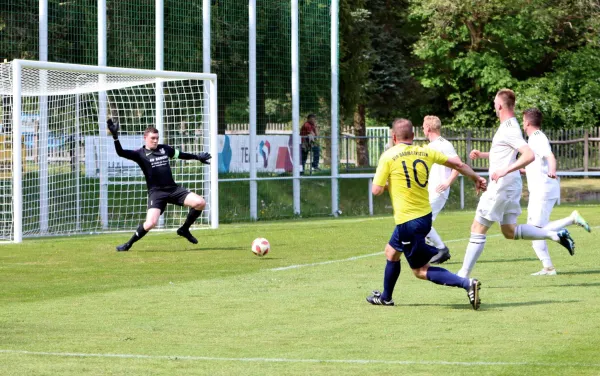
{"x": 73, "y": 181}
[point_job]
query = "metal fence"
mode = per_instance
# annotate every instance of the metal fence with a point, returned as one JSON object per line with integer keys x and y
{"x": 575, "y": 149}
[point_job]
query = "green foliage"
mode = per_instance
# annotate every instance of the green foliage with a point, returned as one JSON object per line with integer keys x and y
{"x": 472, "y": 49}
{"x": 354, "y": 54}
{"x": 568, "y": 96}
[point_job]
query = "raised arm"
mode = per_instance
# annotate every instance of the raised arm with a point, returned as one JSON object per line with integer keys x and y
{"x": 114, "y": 131}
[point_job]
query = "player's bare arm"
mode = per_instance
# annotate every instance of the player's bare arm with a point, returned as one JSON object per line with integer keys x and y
{"x": 377, "y": 190}
{"x": 551, "y": 166}
{"x": 477, "y": 154}
{"x": 463, "y": 168}
{"x": 527, "y": 156}
{"x": 446, "y": 184}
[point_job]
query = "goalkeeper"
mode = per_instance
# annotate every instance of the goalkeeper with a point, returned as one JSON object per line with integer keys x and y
{"x": 153, "y": 159}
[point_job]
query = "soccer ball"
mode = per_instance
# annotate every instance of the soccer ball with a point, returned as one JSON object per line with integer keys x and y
{"x": 260, "y": 246}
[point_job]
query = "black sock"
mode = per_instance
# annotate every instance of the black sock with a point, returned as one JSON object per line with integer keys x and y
{"x": 392, "y": 272}
{"x": 139, "y": 233}
{"x": 191, "y": 218}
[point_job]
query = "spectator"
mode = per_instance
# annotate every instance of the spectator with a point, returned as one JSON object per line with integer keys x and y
{"x": 309, "y": 134}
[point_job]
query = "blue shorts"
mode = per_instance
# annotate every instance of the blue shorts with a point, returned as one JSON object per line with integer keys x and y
{"x": 409, "y": 238}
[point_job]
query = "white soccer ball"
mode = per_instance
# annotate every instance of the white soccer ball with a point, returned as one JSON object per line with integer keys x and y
{"x": 260, "y": 246}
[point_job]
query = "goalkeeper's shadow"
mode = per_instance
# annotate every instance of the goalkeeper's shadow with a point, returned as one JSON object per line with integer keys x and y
{"x": 191, "y": 249}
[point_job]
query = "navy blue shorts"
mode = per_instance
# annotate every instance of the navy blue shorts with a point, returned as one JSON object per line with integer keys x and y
{"x": 409, "y": 238}
{"x": 159, "y": 198}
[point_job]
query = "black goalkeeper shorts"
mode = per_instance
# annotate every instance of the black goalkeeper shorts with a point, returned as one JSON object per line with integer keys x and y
{"x": 159, "y": 198}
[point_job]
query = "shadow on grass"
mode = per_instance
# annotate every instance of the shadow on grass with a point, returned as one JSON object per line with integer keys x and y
{"x": 177, "y": 249}
{"x": 597, "y": 271}
{"x": 595, "y": 284}
{"x": 487, "y": 306}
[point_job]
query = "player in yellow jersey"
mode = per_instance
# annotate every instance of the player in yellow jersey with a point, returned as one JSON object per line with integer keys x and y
{"x": 404, "y": 170}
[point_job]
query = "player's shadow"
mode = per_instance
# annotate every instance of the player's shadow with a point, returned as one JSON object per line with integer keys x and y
{"x": 508, "y": 260}
{"x": 195, "y": 249}
{"x": 594, "y": 284}
{"x": 596, "y": 271}
{"x": 493, "y": 305}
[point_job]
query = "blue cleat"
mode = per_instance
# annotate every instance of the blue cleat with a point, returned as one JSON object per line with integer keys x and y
{"x": 566, "y": 241}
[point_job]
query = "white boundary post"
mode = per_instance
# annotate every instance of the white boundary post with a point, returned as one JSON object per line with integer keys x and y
{"x": 214, "y": 151}
{"x": 17, "y": 199}
{"x": 295, "y": 107}
{"x": 334, "y": 109}
{"x": 158, "y": 87}
{"x": 252, "y": 105}
{"x": 208, "y": 128}
{"x": 102, "y": 108}
{"x": 43, "y": 127}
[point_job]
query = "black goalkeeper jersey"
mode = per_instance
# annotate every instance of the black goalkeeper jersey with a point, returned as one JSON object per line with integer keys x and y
{"x": 154, "y": 164}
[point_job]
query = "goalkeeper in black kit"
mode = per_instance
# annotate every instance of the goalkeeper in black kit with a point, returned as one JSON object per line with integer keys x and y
{"x": 153, "y": 159}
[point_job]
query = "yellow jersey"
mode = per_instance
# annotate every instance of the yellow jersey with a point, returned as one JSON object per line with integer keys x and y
{"x": 406, "y": 168}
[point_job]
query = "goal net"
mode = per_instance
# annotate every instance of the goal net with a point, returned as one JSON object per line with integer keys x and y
{"x": 59, "y": 171}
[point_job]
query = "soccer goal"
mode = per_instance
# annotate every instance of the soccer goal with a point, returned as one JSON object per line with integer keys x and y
{"x": 59, "y": 172}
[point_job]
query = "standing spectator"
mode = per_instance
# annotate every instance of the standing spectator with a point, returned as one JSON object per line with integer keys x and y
{"x": 309, "y": 134}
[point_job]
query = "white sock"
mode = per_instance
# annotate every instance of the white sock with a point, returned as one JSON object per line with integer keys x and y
{"x": 530, "y": 232}
{"x": 541, "y": 250}
{"x": 435, "y": 239}
{"x": 474, "y": 250}
{"x": 559, "y": 223}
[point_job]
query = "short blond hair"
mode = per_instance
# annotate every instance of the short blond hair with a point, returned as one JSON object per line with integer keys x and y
{"x": 433, "y": 122}
{"x": 507, "y": 97}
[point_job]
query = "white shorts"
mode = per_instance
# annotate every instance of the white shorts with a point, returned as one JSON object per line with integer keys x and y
{"x": 437, "y": 203}
{"x": 502, "y": 206}
{"x": 538, "y": 211}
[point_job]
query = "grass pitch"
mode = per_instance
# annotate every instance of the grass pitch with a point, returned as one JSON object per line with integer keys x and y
{"x": 74, "y": 306}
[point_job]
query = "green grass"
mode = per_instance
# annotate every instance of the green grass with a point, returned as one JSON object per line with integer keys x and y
{"x": 169, "y": 307}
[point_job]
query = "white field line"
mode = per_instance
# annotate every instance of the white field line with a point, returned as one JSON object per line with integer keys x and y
{"x": 353, "y": 258}
{"x": 288, "y": 360}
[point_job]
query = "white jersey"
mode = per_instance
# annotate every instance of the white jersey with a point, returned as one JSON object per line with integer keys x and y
{"x": 538, "y": 181}
{"x": 440, "y": 173}
{"x": 505, "y": 146}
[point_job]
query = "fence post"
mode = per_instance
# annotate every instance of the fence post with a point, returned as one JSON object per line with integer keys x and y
{"x": 586, "y": 150}
{"x": 468, "y": 146}
{"x": 462, "y": 192}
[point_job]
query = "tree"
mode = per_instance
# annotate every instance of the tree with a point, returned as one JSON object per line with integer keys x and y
{"x": 355, "y": 62}
{"x": 472, "y": 49}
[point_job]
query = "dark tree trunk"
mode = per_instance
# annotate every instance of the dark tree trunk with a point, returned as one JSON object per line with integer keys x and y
{"x": 360, "y": 131}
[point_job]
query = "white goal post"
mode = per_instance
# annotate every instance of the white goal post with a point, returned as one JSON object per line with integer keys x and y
{"x": 59, "y": 172}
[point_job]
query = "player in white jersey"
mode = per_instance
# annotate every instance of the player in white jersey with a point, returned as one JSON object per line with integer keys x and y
{"x": 543, "y": 187}
{"x": 501, "y": 201}
{"x": 439, "y": 182}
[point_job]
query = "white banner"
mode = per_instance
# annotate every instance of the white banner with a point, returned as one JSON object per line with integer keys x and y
{"x": 273, "y": 153}
{"x": 117, "y": 166}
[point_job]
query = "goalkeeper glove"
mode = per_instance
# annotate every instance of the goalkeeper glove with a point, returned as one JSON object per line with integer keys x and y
{"x": 113, "y": 128}
{"x": 204, "y": 157}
